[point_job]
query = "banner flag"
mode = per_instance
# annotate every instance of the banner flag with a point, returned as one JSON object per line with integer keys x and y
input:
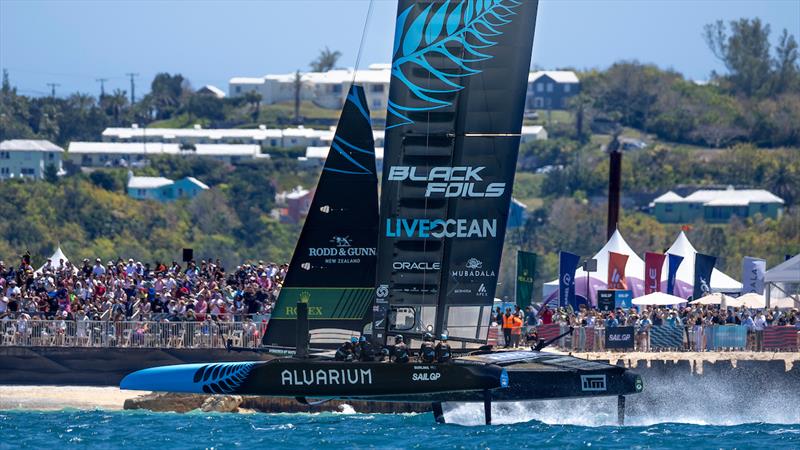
{"x": 567, "y": 265}
{"x": 616, "y": 270}
{"x": 753, "y": 270}
{"x": 526, "y": 264}
{"x": 653, "y": 262}
{"x": 672, "y": 272}
{"x": 703, "y": 266}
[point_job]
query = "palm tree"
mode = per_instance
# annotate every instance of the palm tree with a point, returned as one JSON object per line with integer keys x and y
{"x": 298, "y": 86}
{"x": 115, "y": 103}
{"x": 253, "y": 99}
{"x": 326, "y": 60}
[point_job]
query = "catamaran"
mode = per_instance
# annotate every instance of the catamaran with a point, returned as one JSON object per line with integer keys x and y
{"x": 427, "y": 260}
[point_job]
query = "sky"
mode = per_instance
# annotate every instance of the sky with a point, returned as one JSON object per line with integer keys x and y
{"x": 75, "y": 42}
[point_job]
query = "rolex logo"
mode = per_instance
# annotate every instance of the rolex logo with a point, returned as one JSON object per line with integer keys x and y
{"x": 305, "y": 296}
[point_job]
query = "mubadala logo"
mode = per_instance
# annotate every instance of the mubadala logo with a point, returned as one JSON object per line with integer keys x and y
{"x": 448, "y": 182}
{"x": 421, "y": 265}
{"x": 593, "y": 383}
{"x": 482, "y": 290}
{"x": 474, "y": 269}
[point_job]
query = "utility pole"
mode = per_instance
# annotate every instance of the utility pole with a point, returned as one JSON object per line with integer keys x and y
{"x": 614, "y": 184}
{"x": 53, "y": 89}
{"x": 102, "y": 86}
{"x": 133, "y": 86}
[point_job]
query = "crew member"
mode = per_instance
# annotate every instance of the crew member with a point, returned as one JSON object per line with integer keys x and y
{"x": 346, "y": 351}
{"x": 516, "y": 330}
{"x": 367, "y": 352}
{"x": 400, "y": 350}
{"x": 443, "y": 350}
{"x": 427, "y": 353}
{"x": 507, "y": 327}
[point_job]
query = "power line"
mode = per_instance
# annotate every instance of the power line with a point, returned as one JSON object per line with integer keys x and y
{"x": 133, "y": 86}
{"x": 53, "y": 88}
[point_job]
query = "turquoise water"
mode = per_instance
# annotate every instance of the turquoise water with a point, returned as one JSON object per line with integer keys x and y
{"x": 146, "y": 430}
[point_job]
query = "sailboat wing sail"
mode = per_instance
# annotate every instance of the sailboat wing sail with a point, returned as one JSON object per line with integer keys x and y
{"x": 459, "y": 80}
{"x": 333, "y": 265}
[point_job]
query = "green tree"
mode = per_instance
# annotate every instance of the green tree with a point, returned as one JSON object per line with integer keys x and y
{"x": 51, "y": 173}
{"x": 326, "y": 60}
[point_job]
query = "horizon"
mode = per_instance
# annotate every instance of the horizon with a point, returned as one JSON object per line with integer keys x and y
{"x": 75, "y": 56}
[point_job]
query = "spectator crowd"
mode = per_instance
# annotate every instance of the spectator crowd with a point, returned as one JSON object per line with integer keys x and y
{"x": 130, "y": 290}
{"x": 522, "y": 325}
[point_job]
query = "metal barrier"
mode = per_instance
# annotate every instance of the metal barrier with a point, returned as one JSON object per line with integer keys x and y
{"x": 676, "y": 338}
{"x": 132, "y": 334}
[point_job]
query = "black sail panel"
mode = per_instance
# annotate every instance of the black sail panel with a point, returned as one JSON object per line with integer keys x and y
{"x": 457, "y": 93}
{"x": 333, "y": 265}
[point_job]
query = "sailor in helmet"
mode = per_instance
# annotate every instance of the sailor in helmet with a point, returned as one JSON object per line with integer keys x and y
{"x": 443, "y": 349}
{"x": 400, "y": 350}
{"x": 366, "y": 351}
{"x": 346, "y": 352}
{"x": 426, "y": 352}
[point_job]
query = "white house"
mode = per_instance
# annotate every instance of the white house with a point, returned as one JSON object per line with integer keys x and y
{"x": 28, "y": 158}
{"x": 551, "y": 89}
{"x": 263, "y": 136}
{"x": 325, "y": 89}
{"x": 99, "y": 154}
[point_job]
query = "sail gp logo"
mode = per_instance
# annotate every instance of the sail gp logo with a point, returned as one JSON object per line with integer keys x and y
{"x": 441, "y": 228}
{"x": 448, "y": 182}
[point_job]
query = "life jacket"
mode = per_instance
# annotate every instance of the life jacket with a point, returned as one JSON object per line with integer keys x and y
{"x": 400, "y": 353}
{"x": 508, "y": 321}
{"x": 427, "y": 352}
{"x": 516, "y": 325}
{"x": 443, "y": 352}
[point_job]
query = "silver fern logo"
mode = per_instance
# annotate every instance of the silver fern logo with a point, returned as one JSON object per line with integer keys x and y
{"x": 470, "y": 24}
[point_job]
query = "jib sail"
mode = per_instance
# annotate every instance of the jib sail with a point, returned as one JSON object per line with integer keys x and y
{"x": 333, "y": 265}
{"x": 457, "y": 93}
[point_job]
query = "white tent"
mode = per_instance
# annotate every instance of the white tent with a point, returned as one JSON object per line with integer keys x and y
{"x": 751, "y": 300}
{"x": 785, "y": 272}
{"x": 658, "y": 299}
{"x": 684, "y": 280}
{"x": 781, "y": 278}
{"x": 717, "y": 298}
{"x": 55, "y": 261}
{"x": 634, "y": 271}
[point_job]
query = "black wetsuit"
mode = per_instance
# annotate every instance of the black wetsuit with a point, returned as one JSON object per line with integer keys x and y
{"x": 427, "y": 353}
{"x": 443, "y": 352}
{"x": 401, "y": 353}
{"x": 367, "y": 353}
{"x": 344, "y": 353}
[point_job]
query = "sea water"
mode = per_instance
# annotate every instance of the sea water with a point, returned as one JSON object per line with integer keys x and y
{"x": 517, "y": 425}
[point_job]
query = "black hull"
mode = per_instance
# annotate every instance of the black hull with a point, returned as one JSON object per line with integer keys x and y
{"x": 505, "y": 376}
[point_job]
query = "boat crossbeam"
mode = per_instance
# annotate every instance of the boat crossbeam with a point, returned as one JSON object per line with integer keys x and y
{"x": 487, "y": 406}
{"x": 438, "y": 412}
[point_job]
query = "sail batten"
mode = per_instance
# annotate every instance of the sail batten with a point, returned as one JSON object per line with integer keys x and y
{"x": 459, "y": 79}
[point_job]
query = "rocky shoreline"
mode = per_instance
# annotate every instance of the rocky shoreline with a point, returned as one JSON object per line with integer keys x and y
{"x": 181, "y": 403}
